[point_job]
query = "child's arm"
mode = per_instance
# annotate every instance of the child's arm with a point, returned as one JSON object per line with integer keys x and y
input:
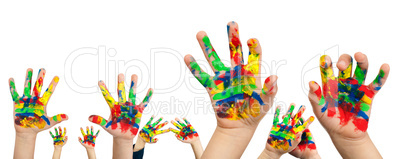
{"x": 89, "y": 141}
{"x": 286, "y": 135}
{"x": 239, "y": 98}
{"x": 344, "y": 105}
{"x": 123, "y": 124}
{"x": 29, "y": 113}
{"x": 187, "y": 134}
{"x": 58, "y": 141}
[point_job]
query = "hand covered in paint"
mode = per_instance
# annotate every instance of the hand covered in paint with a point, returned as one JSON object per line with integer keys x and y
{"x": 343, "y": 106}
{"x": 125, "y": 115}
{"x": 150, "y": 130}
{"x": 89, "y": 138}
{"x": 30, "y": 109}
{"x": 236, "y": 92}
{"x": 60, "y": 139}
{"x": 186, "y": 132}
{"x": 306, "y": 148}
{"x": 286, "y": 135}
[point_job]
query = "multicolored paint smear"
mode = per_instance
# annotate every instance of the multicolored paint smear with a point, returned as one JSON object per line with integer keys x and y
{"x": 283, "y": 135}
{"x": 150, "y": 130}
{"x": 345, "y": 97}
{"x": 234, "y": 90}
{"x": 60, "y": 137}
{"x": 89, "y": 137}
{"x": 125, "y": 115}
{"x": 29, "y": 109}
{"x": 186, "y": 131}
{"x": 307, "y": 141}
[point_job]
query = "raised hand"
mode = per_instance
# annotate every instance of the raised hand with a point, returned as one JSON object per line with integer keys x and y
{"x": 343, "y": 106}
{"x": 125, "y": 115}
{"x": 89, "y": 138}
{"x": 186, "y": 132}
{"x": 30, "y": 109}
{"x": 286, "y": 135}
{"x": 150, "y": 130}
{"x": 60, "y": 139}
{"x": 236, "y": 92}
{"x": 306, "y": 148}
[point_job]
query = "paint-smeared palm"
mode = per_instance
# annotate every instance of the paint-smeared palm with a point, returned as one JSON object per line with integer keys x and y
{"x": 306, "y": 148}
{"x": 150, "y": 130}
{"x": 60, "y": 139}
{"x": 236, "y": 92}
{"x": 344, "y": 105}
{"x": 30, "y": 109}
{"x": 89, "y": 138}
{"x": 186, "y": 132}
{"x": 125, "y": 116}
{"x": 286, "y": 135}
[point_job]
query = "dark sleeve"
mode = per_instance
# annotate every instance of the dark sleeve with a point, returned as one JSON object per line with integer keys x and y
{"x": 139, "y": 154}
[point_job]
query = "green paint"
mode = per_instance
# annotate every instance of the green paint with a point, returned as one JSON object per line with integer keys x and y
{"x": 202, "y": 77}
{"x": 276, "y": 119}
{"x": 14, "y": 93}
{"x": 216, "y": 63}
{"x": 276, "y": 133}
{"x": 228, "y": 93}
{"x": 27, "y": 89}
{"x": 55, "y": 118}
{"x": 132, "y": 96}
{"x": 360, "y": 74}
{"x": 364, "y": 107}
{"x": 286, "y": 119}
{"x": 146, "y": 99}
{"x": 379, "y": 77}
{"x": 322, "y": 100}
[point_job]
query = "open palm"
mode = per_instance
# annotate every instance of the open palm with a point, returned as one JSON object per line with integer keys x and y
{"x": 236, "y": 92}
{"x": 344, "y": 105}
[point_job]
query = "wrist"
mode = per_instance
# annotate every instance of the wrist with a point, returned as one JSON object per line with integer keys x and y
{"x": 139, "y": 145}
{"x": 195, "y": 142}
{"x": 361, "y": 147}
{"x": 267, "y": 154}
{"x": 312, "y": 156}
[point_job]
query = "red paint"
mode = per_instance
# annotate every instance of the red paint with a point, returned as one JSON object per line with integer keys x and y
{"x": 39, "y": 82}
{"x": 361, "y": 124}
{"x": 367, "y": 91}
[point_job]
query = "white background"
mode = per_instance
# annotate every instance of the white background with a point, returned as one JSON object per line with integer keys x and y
{"x": 294, "y": 34}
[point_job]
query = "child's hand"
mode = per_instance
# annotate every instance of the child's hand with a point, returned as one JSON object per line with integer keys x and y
{"x": 236, "y": 93}
{"x": 344, "y": 105}
{"x": 150, "y": 130}
{"x": 30, "y": 109}
{"x": 125, "y": 116}
{"x": 285, "y": 136}
{"x": 89, "y": 138}
{"x": 306, "y": 148}
{"x": 186, "y": 132}
{"x": 60, "y": 139}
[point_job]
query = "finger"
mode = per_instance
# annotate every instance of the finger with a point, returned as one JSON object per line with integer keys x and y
{"x": 344, "y": 65}
{"x": 65, "y": 131}
{"x": 276, "y": 116}
{"x": 301, "y": 128}
{"x": 28, "y": 81}
{"x": 109, "y": 99}
{"x": 254, "y": 56}
{"x": 154, "y": 140}
{"x": 60, "y": 131}
{"x": 162, "y": 131}
{"x": 121, "y": 89}
{"x": 51, "y": 134}
{"x": 317, "y": 99}
{"x": 65, "y": 140}
{"x": 87, "y": 130}
{"x": 39, "y": 82}
{"x": 82, "y": 132}
{"x": 327, "y": 73}
{"x": 13, "y": 91}
{"x": 56, "y": 132}
{"x": 98, "y": 120}
{"x": 80, "y": 140}
{"x": 288, "y": 115}
{"x": 148, "y": 97}
{"x": 59, "y": 118}
{"x": 161, "y": 125}
{"x": 175, "y": 131}
{"x": 157, "y": 122}
{"x": 361, "y": 68}
{"x": 187, "y": 122}
{"x": 236, "y": 53}
{"x": 298, "y": 115}
{"x": 150, "y": 120}
{"x": 202, "y": 77}
{"x": 209, "y": 53}
{"x": 92, "y": 132}
{"x": 97, "y": 133}
{"x": 270, "y": 88}
{"x": 179, "y": 122}
{"x": 49, "y": 91}
{"x": 133, "y": 87}
{"x": 177, "y": 125}
{"x": 381, "y": 78}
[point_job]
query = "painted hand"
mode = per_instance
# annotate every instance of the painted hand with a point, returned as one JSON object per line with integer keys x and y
{"x": 186, "y": 132}
{"x": 125, "y": 116}
{"x": 150, "y": 130}
{"x": 30, "y": 109}
{"x": 306, "y": 148}
{"x": 344, "y": 105}
{"x": 236, "y": 92}
{"x": 285, "y": 136}
{"x": 89, "y": 138}
{"x": 60, "y": 139}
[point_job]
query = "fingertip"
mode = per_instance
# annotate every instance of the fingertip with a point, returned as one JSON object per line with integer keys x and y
{"x": 200, "y": 35}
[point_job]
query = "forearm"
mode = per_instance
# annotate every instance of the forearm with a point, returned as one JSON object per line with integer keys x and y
{"x": 266, "y": 154}
{"x": 56, "y": 153}
{"x": 228, "y": 143}
{"x": 24, "y": 145}
{"x": 197, "y": 148}
{"x": 139, "y": 145}
{"x": 91, "y": 153}
{"x": 122, "y": 148}
{"x": 352, "y": 148}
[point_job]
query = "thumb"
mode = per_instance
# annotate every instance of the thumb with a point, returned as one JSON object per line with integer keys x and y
{"x": 57, "y": 119}
{"x": 98, "y": 120}
{"x": 317, "y": 99}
